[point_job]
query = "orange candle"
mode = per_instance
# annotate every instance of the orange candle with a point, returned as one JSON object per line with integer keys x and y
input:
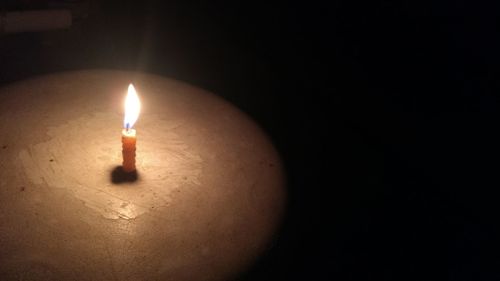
{"x": 132, "y": 109}
{"x": 128, "y": 150}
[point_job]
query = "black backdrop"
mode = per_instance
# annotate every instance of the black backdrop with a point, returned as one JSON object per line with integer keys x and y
{"x": 385, "y": 114}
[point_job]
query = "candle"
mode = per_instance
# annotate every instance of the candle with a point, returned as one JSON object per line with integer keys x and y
{"x": 132, "y": 109}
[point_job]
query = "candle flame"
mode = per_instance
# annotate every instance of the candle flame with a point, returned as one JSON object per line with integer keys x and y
{"x": 132, "y": 107}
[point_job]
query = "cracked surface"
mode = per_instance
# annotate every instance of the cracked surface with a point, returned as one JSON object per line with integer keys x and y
{"x": 209, "y": 195}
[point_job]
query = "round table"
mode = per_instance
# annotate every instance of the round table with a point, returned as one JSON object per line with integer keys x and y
{"x": 208, "y": 196}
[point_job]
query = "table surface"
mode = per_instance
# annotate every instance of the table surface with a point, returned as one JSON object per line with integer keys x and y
{"x": 207, "y": 199}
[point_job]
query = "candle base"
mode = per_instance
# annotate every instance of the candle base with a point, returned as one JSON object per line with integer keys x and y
{"x": 118, "y": 175}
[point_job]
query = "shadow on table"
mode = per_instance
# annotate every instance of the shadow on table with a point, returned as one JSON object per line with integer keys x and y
{"x": 118, "y": 175}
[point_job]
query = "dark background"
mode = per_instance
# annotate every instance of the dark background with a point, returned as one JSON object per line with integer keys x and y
{"x": 385, "y": 113}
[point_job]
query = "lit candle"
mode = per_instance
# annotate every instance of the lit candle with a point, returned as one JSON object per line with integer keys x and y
{"x": 132, "y": 108}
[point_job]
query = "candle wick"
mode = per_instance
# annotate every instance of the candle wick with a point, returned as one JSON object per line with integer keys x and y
{"x": 127, "y": 127}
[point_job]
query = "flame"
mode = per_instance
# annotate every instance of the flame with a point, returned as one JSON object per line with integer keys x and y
{"x": 132, "y": 107}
